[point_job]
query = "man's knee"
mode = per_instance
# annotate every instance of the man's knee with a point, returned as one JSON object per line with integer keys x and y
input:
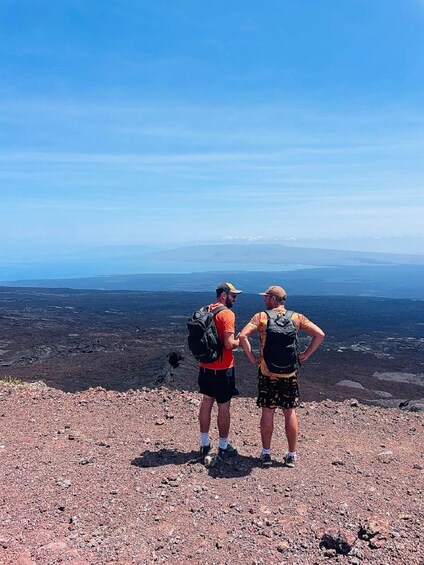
{"x": 267, "y": 416}
{"x": 223, "y": 407}
{"x": 290, "y": 416}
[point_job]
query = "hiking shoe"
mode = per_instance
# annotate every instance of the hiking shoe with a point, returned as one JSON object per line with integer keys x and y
{"x": 265, "y": 460}
{"x": 204, "y": 449}
{"x": 289, "y": 461}
{"x": 229, "y": 452}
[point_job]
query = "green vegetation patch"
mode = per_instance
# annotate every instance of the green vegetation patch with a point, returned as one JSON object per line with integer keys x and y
{"x": 8, "y": 379}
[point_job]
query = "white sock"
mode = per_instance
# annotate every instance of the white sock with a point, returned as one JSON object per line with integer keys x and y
{"x": 204, "y": 439}
{"x": 292, "y": 454}
{"x": 223, "y": 443}
{"x": 266, "y": 452}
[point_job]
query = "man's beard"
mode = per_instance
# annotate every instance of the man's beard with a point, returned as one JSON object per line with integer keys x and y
{"x": 229, "y": 303}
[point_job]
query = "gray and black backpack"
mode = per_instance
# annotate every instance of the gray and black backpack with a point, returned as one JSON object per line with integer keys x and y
{"x": 203, "y": 340}
{"x": 281, "y": 350}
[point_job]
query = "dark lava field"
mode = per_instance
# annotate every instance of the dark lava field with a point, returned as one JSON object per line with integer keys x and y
{"x": 77, "y": 339}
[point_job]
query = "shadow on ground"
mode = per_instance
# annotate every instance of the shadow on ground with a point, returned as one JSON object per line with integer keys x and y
{"x": 238, "y": 466}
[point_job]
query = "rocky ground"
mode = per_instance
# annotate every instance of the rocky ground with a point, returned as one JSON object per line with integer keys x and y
{"x": 101, "y": 477}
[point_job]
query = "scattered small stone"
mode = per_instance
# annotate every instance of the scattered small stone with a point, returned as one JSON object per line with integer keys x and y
{"x": 194, "y": 401}
{"x": 377, "y": 543}
{"x": 353, "y": 402}
{"x": 102, "y": 444}
{"x": 339, "y": 540}
{"x": 338, "y": 463}
{"x": 356, "y": 553}
{"x": 283, "y": 546}
{"x": 160, "y": 422}
{"x": 375, "y": 531}
{"x": 386, "y": 456}
{"x": 63, "y": 483}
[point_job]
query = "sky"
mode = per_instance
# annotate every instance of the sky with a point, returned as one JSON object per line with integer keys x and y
{"x": 149, "y": 122}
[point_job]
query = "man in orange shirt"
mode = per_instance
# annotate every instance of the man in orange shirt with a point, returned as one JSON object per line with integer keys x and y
{"x": 278, "y": 390}
{"x": 217, "y": 379}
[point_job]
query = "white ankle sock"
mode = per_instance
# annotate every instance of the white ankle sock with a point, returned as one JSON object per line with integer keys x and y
{"x": 292, "y": 454}
{"x": 223, "y": 443}
{"x": 266, "y": 452}
{"x": 204, "y": 439}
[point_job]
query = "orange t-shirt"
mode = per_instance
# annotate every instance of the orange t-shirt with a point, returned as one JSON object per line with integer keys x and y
{"x": 224, "y": 322}
{"x": 260, "y": 321}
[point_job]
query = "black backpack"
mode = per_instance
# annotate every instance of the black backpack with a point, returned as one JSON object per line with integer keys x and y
{"x": 203, "y": 340}
{"x": 281, "y": 350}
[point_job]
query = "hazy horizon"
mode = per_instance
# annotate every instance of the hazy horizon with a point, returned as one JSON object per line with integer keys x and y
{"x": 248, "y": 256}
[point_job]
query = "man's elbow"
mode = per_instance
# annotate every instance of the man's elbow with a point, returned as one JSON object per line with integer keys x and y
{"x": 321, "y": 336}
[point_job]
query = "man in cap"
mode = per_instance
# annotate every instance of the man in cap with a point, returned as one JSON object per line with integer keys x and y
{"x": 217, "y": 379}
{"x": 278, "y": 389}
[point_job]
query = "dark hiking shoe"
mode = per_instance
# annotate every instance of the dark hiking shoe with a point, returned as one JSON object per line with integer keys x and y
{"x": 204, "y": 449}
{"x": 289, "y": 461}
{"x": 229, "y": 452}
{"x": 265, "y": 460}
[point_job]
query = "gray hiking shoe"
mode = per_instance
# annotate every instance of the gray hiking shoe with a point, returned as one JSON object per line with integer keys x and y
{"x": 229, "y": 452}
{"x": 265, "y": 460}
{"x": 289, "y": 461}
{"x": 204, "y": 449}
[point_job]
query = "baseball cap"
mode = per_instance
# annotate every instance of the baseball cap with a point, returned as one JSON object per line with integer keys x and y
{"x": 228, "y": 287}
{"x": 277, "y": 291}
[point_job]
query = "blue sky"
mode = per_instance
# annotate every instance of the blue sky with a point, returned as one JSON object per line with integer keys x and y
{"x": 141, "y": 122}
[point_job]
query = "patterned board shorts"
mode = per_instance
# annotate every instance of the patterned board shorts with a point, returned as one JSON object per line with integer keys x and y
{"x": 277, "y": 393}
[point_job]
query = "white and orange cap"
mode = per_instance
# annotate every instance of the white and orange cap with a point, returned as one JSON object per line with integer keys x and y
{"x": 228, "y": 287}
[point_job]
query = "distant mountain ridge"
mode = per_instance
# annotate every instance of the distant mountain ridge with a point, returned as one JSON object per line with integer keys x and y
{"x": 277, "y": 254}
{"x": 199, "y": 267}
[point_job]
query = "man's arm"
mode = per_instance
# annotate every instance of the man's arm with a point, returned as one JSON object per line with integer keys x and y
{"x": 317, "y": 337}
{"x": 247, "y": 331}
{"x": 226, "y": 321}
{"x": 230, "y": 342}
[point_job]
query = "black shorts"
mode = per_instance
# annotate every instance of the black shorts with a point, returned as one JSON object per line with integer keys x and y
{"x": 219, "y": 384}
{"x": 277, "y": 393}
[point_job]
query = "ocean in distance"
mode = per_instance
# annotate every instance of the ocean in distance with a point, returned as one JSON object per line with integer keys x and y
{"x": 54, "y": 270}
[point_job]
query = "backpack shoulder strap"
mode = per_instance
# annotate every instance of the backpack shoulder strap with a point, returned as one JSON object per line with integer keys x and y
{"x": 271, "y": 314}
{"x": 218, "y": 309}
